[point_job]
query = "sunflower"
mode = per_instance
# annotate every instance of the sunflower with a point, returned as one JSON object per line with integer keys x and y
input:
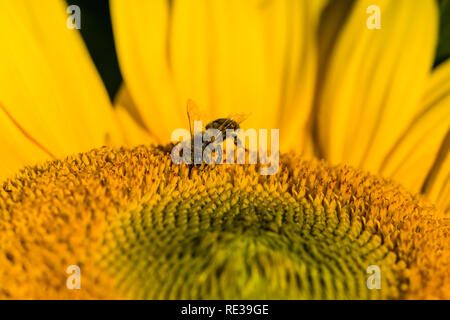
{"x": 79, "y": 190}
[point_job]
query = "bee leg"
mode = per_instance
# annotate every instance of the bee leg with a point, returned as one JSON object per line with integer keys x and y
{"x": 190, "y": 170}
{"x": 240, "y": 142}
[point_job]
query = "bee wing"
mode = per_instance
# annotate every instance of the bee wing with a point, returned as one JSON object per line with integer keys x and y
{"x": 239, "y": 117}
{"x": 194, "y": 114}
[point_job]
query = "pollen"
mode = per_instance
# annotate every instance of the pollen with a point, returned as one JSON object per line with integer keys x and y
{"x": 140, "y": 227}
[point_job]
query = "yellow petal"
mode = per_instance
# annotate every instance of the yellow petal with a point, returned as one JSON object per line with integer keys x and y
{"x": 298, "y": 74}
{"x": 375, "y": 80}
{"x": 17, "y": 149}
{"x": 48, "y": 84}
{"x": 124, "y": 101}
{"x": 141, "y": 31}
{"x": 437, "y": 186}
{"x": 331, "y": 21}
{"x": 414, "y": 154}
{"x": 133, "y": 133}
{"x": 229, "y": 56}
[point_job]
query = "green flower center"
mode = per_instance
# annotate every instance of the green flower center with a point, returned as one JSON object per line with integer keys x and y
{"x": 139, "y": 227}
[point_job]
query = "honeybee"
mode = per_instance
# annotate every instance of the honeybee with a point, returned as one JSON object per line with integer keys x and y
{"x": 231, "y": 122}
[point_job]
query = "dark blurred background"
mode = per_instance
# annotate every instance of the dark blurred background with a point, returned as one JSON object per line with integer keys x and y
{"x": 96, "y": 30}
